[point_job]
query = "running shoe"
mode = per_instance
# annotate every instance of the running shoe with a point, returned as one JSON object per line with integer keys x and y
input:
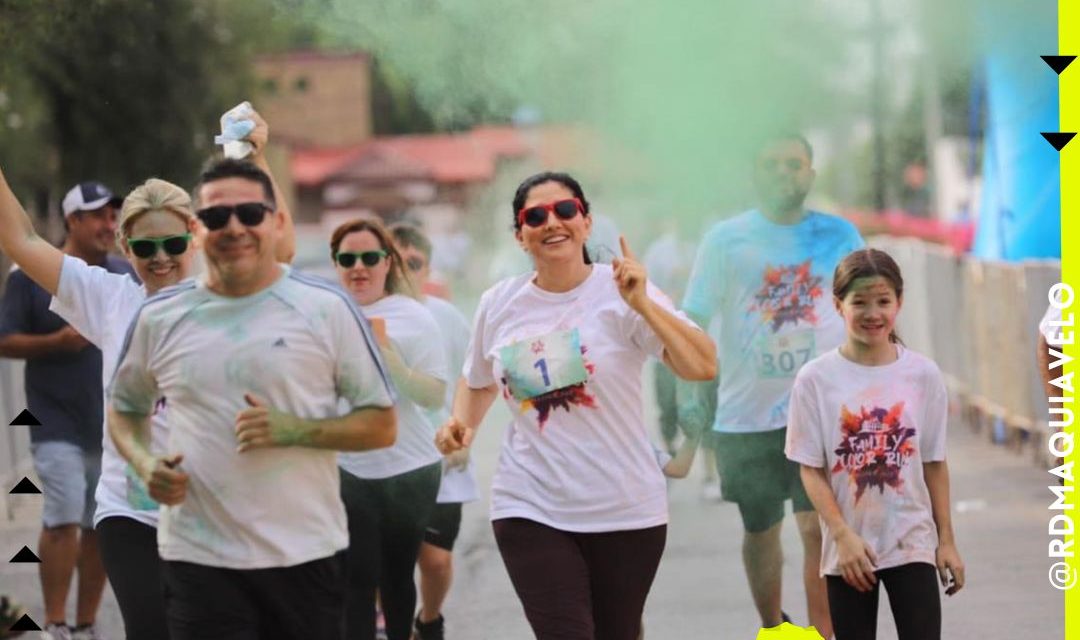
{"x": 53, "y": 631}
{"x": 428, "y": 630}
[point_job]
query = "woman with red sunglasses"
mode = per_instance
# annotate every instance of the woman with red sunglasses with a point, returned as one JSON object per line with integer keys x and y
{"x": 579, "y": 505}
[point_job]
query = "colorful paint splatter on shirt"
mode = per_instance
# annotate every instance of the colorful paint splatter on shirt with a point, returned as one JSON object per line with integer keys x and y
{"x": 574, "y": 395}
{"x": 875, "y": 448}
{"x": 788, "y": 295}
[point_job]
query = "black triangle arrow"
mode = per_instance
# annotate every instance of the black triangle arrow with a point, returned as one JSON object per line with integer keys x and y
{"x": 25, "y": 486}
{"x": 1058, "y": 140}
{"x": 1058, "y": 63}
{"x": 24, "y": 623}
{"x": 25, "y": 555}
{"x": 26, "y": 418}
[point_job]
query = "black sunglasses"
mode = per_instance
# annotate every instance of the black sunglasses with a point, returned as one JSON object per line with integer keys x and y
{"x": 148, "y": 247}
{"x": 348, "y": 258}
{"x": 538, "y": 215}
{"x": 250, "y": 214}
{"x": 415, "y": 264}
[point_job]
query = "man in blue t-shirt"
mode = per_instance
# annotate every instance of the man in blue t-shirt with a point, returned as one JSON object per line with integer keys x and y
{"x": 763, "y": 281}
{"x": 63, "y": 391}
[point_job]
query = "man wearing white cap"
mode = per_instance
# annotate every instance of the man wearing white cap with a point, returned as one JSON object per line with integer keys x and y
{"x": 63, "y": 391}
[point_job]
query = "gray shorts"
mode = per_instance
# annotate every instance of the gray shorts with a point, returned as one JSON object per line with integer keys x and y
{"x": 69, "y": 477}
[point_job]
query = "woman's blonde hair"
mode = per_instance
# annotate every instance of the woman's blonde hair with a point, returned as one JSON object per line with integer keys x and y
{"x": 153, "y": 195}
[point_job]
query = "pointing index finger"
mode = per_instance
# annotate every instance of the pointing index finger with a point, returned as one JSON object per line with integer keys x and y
{"x": 627, "y": 253}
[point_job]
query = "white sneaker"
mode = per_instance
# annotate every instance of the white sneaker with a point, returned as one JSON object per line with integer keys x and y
{"x": 55, "y": 631}
{"x": 86, "y": 633}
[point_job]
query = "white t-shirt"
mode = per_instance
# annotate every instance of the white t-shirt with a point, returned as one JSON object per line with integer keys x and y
{"x": 101, "y": 305}
{"x": 300, "y": 345}
{"x": 577, "y": 457}
{"x": 872, "y": 429}
{"x": 417, "y": 338}
{"x": 458, "y": 484}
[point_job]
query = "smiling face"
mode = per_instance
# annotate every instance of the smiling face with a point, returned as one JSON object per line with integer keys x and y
{"x": 93, "y": 231}
{"x": 557, "y": 240}
{"x": 236, "y": 252}
{"x": 366, "y": 284}
{"x": 869, "y": 309}
{"x": 160, "y": 270}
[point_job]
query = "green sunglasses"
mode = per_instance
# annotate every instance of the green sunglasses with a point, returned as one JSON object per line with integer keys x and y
{"x": 148, "y": 247}
{"x": 348, "y": 258}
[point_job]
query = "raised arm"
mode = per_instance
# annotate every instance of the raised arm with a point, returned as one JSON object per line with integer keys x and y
{"x": 34, "y": 255}
{"x": 688, "y": 351}
{"x": 259, "y": 138}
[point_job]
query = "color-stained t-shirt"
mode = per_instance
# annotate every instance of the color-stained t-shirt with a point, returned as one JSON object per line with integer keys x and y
{"x": 872, "y": 429}
{"x": 766, "y": 291}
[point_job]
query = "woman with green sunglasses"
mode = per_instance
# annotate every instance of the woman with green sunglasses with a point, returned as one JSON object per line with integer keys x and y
{"x": 156, "y": 231}
{"x": 389, "y": 494}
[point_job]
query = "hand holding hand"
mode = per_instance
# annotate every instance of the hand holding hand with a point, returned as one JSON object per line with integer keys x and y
{"x": 458, "y": 459}
{"x": 453, "y": 436}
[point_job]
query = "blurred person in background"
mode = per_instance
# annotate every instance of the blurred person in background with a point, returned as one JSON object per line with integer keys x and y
{"x": 458, "y": 477}
{"x": 63, "y": 381}
{"x": 390, "y": 494}
{"x": 668, "y": 260}
{"x": 764, "y": 277}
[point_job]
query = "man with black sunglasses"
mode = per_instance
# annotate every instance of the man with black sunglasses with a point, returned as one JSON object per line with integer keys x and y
{"x": 766, "y": 275}
{"x": 255, "y": 361}
{"x": 63, "y": 381}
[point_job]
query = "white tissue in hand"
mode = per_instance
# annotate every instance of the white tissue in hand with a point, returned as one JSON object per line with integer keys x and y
{"x": 234, "y": 128}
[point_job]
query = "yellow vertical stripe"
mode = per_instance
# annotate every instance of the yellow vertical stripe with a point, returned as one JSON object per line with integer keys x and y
{"x": 1069, "y": 105}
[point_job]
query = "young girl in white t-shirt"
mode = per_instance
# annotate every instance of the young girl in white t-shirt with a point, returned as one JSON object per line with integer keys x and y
{"x": 867, "y": 423}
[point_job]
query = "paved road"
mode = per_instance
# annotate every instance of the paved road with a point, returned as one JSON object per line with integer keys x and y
{"x": 999, "y": 496}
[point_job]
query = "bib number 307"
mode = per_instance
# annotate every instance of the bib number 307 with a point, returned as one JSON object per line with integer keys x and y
{"x": 543, "y": 364}
{"x": 781, "y": 356}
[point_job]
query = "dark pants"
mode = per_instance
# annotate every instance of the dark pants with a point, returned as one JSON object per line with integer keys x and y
{"x": 387, "y": 520}
{"x": 302, "y": 602}
{"x": 129, "y": 552}
{"x": 913, "y": 597}
{"x": 580, "y": 586}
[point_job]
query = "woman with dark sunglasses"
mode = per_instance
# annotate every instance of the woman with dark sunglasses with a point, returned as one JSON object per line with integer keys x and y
{"x": 155, "y": 231}
{"x": 389, "y": 494}
{"x": 578, "y": 503}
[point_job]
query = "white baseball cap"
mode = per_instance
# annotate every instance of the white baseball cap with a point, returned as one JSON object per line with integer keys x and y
{"x": 89, "y": 196}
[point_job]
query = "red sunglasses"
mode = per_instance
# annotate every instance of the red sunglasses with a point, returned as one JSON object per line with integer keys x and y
{"x": 538, "y": 214}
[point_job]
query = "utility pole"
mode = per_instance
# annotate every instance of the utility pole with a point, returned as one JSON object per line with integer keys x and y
{"x": 877, "y": 101}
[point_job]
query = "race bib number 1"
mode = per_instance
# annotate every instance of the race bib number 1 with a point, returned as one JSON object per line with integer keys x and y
{"x": 781, "y": 356}
{"x": 543, "y": 364}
